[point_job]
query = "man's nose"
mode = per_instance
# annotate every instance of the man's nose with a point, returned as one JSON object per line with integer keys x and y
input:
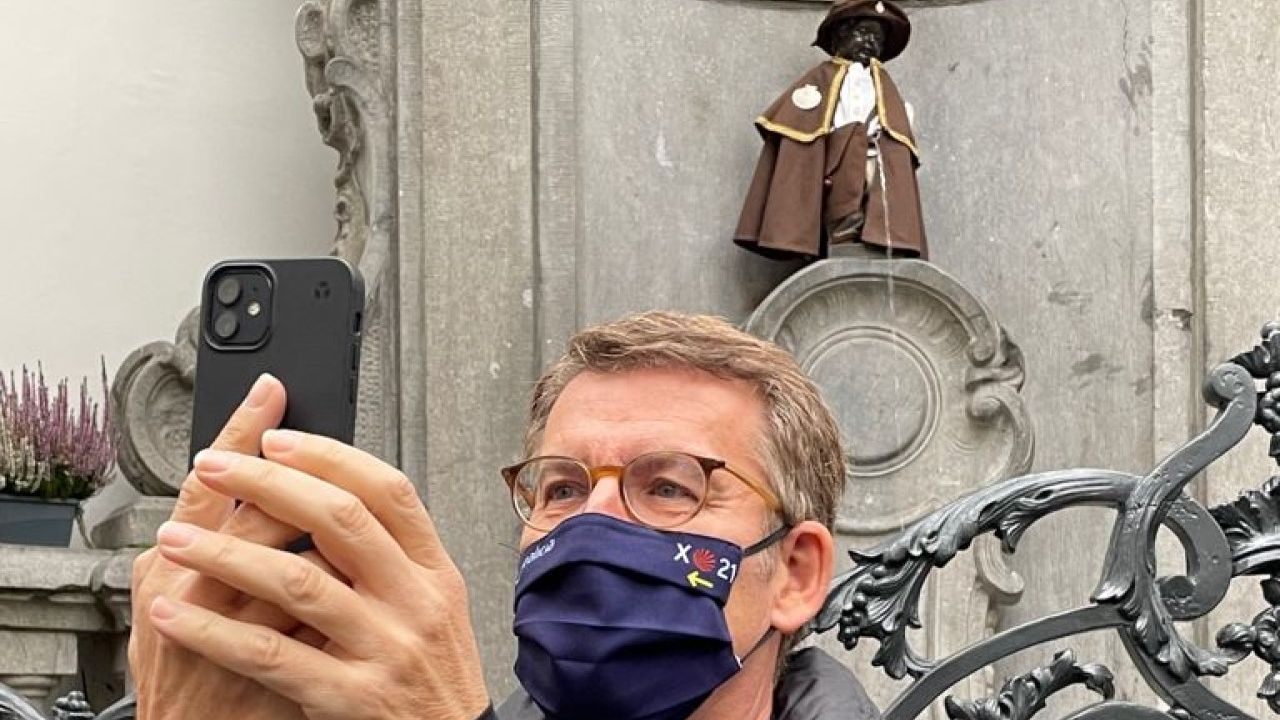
{"x": 606, "y": 498}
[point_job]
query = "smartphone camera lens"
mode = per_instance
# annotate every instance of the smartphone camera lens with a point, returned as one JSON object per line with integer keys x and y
{"x": 228, "y": 292}
{"x": 226, "y": 325}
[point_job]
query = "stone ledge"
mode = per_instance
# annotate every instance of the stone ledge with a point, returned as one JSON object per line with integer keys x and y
{"x": 64, "y": 589}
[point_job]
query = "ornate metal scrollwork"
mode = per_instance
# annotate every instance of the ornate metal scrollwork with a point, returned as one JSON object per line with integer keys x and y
{"x": 1252, "y": 526}
{"x": 1129, "y": 575}
{"x": 1025, "y": 695}
{"x": 1260, "y": 638}
{"x": 14, "y": 707}
{"x": 1263, "y": 363}
{"x": 878, "y": 597}
{"x": 72, "y": 706}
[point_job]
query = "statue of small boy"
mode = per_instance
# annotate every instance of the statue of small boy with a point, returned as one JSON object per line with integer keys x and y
{"x": 839, "y": 157}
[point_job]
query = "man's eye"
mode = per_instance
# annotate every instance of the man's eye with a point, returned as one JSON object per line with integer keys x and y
{"x": 561, "y": 491}
{"x": 668, "y": 490}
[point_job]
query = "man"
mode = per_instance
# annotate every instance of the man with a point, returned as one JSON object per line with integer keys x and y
{"x": 839, "y": 156}
{"x": 681, "y": 482}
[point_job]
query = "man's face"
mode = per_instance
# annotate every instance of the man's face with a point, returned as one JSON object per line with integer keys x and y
{"x": 860, "y": 40}
{"x": 610, "y": 418}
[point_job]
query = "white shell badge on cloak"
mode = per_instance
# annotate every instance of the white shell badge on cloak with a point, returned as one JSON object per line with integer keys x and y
{"x": 807, "y": 97}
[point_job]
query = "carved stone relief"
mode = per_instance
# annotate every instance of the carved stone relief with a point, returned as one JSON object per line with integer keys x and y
{"x": 345, "y": 45}
{"x": 925, "y": 386}
{"x": 923, "y": 382}
{"x": 152, "y": 394}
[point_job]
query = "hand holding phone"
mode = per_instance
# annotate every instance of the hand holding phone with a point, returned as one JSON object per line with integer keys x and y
{"x": 299, "y": 320}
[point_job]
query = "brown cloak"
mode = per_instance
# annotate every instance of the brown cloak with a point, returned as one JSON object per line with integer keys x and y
{"x": 810, "y": 177}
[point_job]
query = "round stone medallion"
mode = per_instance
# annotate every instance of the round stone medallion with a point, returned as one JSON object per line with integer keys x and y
{"x": 888, "y": 392}
{"x": 890, "y": 343}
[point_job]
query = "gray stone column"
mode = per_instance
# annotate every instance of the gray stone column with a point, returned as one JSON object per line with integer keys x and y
{"x": 475, "y": 283}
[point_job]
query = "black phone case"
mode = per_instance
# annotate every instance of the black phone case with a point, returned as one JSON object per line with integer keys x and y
{"x": 312, "y": 346}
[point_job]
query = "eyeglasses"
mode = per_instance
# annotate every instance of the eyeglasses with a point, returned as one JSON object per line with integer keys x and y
{"x": 659, "y": 489}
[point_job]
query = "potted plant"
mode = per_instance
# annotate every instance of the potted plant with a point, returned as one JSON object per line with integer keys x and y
{"x": 52, "y": 456}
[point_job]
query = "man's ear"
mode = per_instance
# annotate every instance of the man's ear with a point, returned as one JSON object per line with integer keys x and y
{"x": 805, "y": 563}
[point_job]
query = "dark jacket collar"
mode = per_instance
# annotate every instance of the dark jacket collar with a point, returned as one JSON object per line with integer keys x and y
{"x": 813, "y": 687}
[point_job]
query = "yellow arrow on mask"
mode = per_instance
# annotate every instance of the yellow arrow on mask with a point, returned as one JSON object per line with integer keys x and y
{"x": 695, "y": 580}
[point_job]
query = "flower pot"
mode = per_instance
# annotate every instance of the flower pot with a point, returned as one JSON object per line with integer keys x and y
{"x": 35, "y": 521}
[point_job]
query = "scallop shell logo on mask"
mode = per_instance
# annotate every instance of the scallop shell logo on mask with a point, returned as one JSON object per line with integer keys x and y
{"x": 807, "y": 97}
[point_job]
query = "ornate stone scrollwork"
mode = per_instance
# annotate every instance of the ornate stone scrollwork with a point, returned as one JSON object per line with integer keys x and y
{"x": 922, "y": 379}
{"x": 345, "y": 45}
{"x": 152, "y": 394}
{"x": 925, "y": 385}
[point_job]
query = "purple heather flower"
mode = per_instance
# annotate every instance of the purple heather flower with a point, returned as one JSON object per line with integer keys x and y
{"x": 47, "y": 448}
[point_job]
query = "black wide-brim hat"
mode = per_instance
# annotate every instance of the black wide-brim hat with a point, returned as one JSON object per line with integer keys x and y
{"x": 897, "y": 28}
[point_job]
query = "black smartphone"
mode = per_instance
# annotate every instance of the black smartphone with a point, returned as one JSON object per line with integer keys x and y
{"x": 299, "y": 320}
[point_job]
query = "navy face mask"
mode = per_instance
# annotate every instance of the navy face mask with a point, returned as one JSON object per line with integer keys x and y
{"x": 616, "y": 621}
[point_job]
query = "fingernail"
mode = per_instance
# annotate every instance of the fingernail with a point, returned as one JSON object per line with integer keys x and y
{"x": 279, "y": 441}
{"x": 163, "y": 609}
{"x": 259, "y": 393}
{"x": 176, "y": 535}
{"x": 213, "y": 461}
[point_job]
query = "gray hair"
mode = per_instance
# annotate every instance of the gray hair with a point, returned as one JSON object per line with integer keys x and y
{"x": 801, "y": 443}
